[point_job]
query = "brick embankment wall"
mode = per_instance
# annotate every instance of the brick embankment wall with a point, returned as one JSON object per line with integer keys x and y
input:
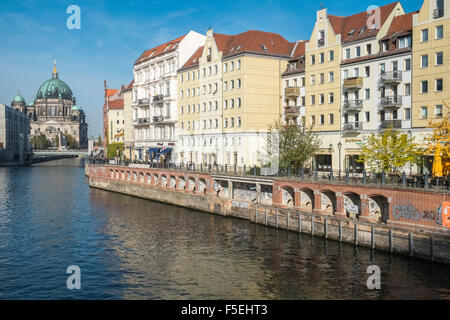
{"x": 421, "y": 238}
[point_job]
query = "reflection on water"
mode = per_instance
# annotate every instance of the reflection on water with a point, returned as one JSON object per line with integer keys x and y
{"x": 133, "y": 248}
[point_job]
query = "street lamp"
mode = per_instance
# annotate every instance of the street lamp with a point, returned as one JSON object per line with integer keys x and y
{"x": 340, "y": 148}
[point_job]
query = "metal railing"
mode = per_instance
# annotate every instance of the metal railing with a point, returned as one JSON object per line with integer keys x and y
{"x": 394, "y": 124}
{"x": 351, "y": 105}
{"x": 352, "y": 126}
{"x": 347, "y": 177}
{"x": 143, "y": 102}
{"x": 438, "y": 13}
{"x": 393, "y": 76}
{"x": 390, "y": 101}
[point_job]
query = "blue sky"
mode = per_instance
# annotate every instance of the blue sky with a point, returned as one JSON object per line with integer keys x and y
{"x": 114, "y": 33}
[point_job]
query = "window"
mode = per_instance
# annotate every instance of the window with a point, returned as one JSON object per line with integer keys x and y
{"x": 322, "y": 119}
{"x": 438, "y": 85}
{"x": 404, "y": 42}
{"x": 313, "y": 100}
{"x": 424, "y": 33}
{"x": 356, "y": 72}
{"x": 331, "y": 76}
{"x": 367, "y": 94}
{"x": 331, "y": 118}
{"x": 238, "y": 65}
{"x": 331, "y": 55}
{"x": 423, "y": 112}
{"x": 347, "y": 53}
{"x": 407, "y": 114}
{"x": 322, "y": 57}
{"x": 238, "y": 85}
{"x": 232, "y": 103}
{"x": 438, "y": 111}
{"x": 424, "y": 61}
{"x": 232, "y": 123}
{"x": 345, "y": 74}
{"x": 225, "y": 104}
{"x": 369, "y": 49}
{"x": 322, "y": 78}
{"x": 238, "y": 102}
{"x": 439, "y": 32}
{"x": 231, "y": 66}
{"x": 367, "y": 116}
{"x": 382, "y": 68}
{"x": 367, "y": 71}
{"x": 407, "y": 64}
{"x": 232, "y": 84}
{"x": 322, "y": 98}
{"x": 424, "y": 86}
{"x": 439, "y": 58}
{"x": 407, "y": 89}
{"x": 225, "y": 123}
{"x": 358, "y": 51}
{"x": 313, "y": 59}
{"x": 225, "y": 67}
{"x": 225, "y": 85}
{"x": 331, "y": 97}
{"x": 313, "y": 80}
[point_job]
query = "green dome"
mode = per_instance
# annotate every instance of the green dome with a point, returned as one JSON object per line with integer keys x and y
{"x": 75, "y": 108}
{"x": 31, "y": 103}
{"x": 18, "y": 98}
{"x": 54, "y": 89}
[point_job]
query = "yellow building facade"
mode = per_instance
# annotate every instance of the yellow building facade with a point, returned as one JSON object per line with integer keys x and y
{"x": 431, "y": 63}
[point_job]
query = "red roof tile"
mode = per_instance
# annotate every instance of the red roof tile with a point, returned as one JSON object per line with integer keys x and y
{"x": 252, "y": 41}
{"x": 111, "y": 92}
{"x": 163, "y": 48}
{"x": 353, "y": 28}
{"x": 400, "y": 25}
{"x": 115, "y": 104}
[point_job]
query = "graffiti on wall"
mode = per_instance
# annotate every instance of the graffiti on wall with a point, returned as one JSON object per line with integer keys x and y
{"x": 409, "y": 212}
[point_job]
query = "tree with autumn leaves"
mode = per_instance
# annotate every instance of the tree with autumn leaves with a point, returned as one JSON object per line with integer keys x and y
{"x": 389, "y": 151}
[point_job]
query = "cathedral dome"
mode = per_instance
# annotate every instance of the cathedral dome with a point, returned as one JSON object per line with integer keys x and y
{"x": 54, "y": 89}
{"x": 75, "y": 108}
{"x": 31, "y": 103}
{"x": 19, "y": 98}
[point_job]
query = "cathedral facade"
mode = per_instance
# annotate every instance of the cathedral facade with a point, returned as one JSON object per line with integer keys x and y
{"x": 54, "y": 113}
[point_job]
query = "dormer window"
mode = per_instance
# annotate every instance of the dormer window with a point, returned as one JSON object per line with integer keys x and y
{"x": 264, "y": 47}
{"x": 362, "y": 29}
{"x": 351, "y": 33}
{"x": 404, "y": 42}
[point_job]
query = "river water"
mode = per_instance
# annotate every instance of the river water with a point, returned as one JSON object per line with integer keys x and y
{"x": 130, "y": 248}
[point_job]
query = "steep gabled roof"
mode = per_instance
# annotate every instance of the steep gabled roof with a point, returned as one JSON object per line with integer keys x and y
{"x": 299, "y": 49}
{"x": 354, "y": 27}
{"x": 130, "y": 86}
{"x": 401, "y": 25}
{"x": 193, "y": 60}
{"x": 163, "y": 48}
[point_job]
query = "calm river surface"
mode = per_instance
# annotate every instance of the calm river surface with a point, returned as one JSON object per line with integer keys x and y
{"x": 129, "y": 248}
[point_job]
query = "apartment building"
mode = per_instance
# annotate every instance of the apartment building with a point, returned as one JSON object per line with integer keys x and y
{"x": 294, "y": 87}
{"x": 128, "y": 129}
{"x": 116, "y": 120}
{"x": 431, "y": 61}
{"x": 230, "y": 91}
{"x": 155, "y": 110}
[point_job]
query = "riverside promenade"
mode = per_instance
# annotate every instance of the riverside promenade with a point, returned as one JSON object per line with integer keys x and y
{"x": 396, "y": 218}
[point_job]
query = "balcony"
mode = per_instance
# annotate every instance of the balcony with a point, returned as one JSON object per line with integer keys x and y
{"x": 391, "y": 77}
{"x": 353, "y": 83}
{"x": 438, "y": 13}
{"x": 143, "y": 102}
{"x": 158, "y": 98}
{"x": 292, "y": 111}
{"x": 320, "y": 43}
{"x": 141, "y": 121}
{"x": 158, "y": 119}
{"x": 390, "y": 101}
{"x": 292, "y": 92}
{"x": 394, "y": 124}
{"x": 352, "y": 127}
{"x": 353, "y": 105}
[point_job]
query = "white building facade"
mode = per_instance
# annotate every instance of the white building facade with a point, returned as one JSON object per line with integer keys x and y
{"x": 155, "y": 107}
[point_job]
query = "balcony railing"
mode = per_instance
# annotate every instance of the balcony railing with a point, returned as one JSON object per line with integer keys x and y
{"x": 292, "y": 92}
{"x": 158, "y": 119}
{"x": 353, "y": 83}
{"x": 352, "y": 127}
{"x": 353, "y": 105}
{"x": 390, "y": 101}
{"x": 292, "y": 111}
{"x": 393, "y": 76}
{"x": 143, "y": 102}
{"x": 394, "y": 124}
{"x": 320, "y": 42}
{"x": 158, "y": 98}
{"x": 438, "y": 13}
